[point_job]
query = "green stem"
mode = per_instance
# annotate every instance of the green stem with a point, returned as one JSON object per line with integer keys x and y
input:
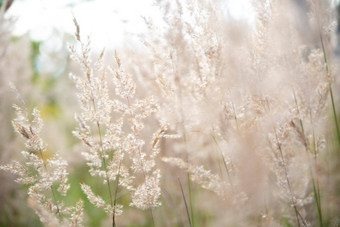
{"x": 317, "y": 200}
{"x": 177, "y": 81}
{"x": 185, "y": 203}
{"x": 106, "y": 173}
{"x": 330, "y": 91}
{"x": 297, "y": 213}
{"x": 115, "y": 199}
{"x": 52, "y": 190}
{"x": 297, "y": 107}
{"x": 190, "y": 199}
{"x": 316, "y": 188}
{"x": 224, "y": 162}
{"x": 335, "y": 116}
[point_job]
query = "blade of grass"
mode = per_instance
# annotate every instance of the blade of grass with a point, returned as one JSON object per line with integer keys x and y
{"x": 317, "y": 201}
{"x": 190, "y": 199}
{"x": 293, "y": 203}
{"x": 297, "y": 107}
{"x": 115, "y": 199}
{"x": 330, "y": 91}
{"x": 177, "y": 81}
{"x": 316, "y": 188}
{"x": 335, "y": 116}
{"x": 224, "y": 162}
{"x": 185, "y": 202}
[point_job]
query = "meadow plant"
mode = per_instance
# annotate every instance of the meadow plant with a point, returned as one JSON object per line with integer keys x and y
{"x": 215, "y": 123}
{"x": 110, "y": 144}
{"x": 42, "y": 174}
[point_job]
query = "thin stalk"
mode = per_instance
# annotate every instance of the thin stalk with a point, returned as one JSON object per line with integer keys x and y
{"x": 224, "y": 162}
{"x": 297, "y": 107}
{"x": 316, "y": 188}
{"x": 144, "y": 173}
{"x": 335, "y": 116}
{"x": 101, "y": 151}
{"x": 103, "y": 159}
{"x": 234, "y": 110}
{"x": 235, "y": 116}
{"x": 188, "y": 175}
{"x": 106, "y": 173}
{"x": 52, "y": 190}
{"x": 330, "y": 91}
{"x": 222, "y": 177}
{"x": 115, "y": 199}
{"x": 101, "y": 145}
{"x": 185, "y": 202}
{"x": 177, "y": 81}
{"x": 104, "y": 162}
{"x": 297, "y": 213}
{"x": 190, "y": 197}
{"x": 317, "y": 200}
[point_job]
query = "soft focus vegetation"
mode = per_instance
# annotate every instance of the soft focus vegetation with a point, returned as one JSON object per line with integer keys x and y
{"x": 208, "y": 121}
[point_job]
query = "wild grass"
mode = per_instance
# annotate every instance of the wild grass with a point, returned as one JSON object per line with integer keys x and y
{"x": 213, "y": 123}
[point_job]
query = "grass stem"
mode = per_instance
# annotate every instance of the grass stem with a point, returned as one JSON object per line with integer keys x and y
{"x": 330, "y": 90}
{"x": 185, "y": 203}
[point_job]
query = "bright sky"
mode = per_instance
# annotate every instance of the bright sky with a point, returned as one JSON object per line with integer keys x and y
{"x": 105, "y": 20}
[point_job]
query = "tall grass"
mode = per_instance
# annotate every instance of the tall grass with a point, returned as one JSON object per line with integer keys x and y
{"x": 240, "y": 111}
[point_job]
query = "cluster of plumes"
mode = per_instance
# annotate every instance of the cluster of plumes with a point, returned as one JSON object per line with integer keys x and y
{"x": 15, "y": 68}
{"x": 44, "y": 175}
{"x": 256, "y": 99}
{"x": 199, "y": 175}
{"x": 111, "y": 129}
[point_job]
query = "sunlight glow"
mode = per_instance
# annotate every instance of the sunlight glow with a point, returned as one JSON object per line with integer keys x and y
{"x": 106, "y": 21}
